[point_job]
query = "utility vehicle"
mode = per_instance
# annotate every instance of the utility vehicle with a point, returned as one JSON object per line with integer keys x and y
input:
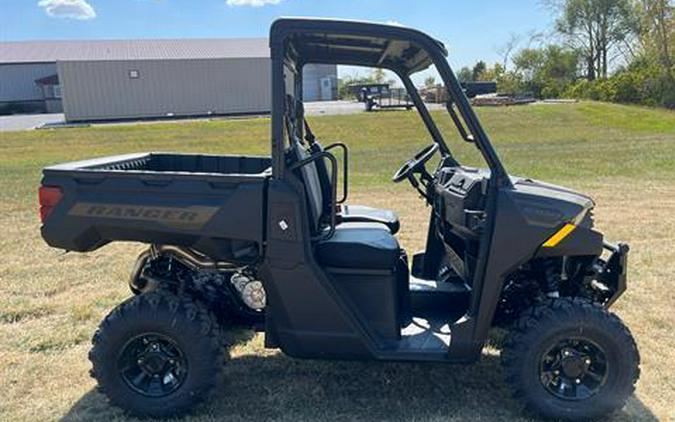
{"x": 271, "y": 243}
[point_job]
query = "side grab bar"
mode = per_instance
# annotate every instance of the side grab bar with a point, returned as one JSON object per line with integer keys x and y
{"x": 333, "y": 183}
{"x": 345, "y": 168}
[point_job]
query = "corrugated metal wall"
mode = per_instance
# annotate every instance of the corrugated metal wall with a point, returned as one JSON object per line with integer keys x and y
{"x": 17, "y": 81}
{"x": 311, "y": 80}
{"x": 99, "y": 90}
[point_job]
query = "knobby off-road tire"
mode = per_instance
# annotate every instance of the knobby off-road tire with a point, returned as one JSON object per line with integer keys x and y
{"x": 176, "y": 347}
{"x": 575, "y": 343}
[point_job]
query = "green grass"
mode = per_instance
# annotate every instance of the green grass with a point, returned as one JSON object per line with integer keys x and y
{"x": 50, "y": 303}
{"x": 554, "y": 142}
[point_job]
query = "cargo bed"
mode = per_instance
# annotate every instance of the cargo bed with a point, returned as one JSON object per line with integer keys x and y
{"x": 213, "y": 204}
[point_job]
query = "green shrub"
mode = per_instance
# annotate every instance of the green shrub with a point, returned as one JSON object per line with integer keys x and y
{"x": 636, "y": 85}
{"x": 551, "y": 89}
{"x": 626, "y": 87}
{"x": 576, "y": 89}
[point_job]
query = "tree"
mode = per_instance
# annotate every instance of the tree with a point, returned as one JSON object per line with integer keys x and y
{"x": 546, "y": 71}
{"x": 642, "y": 32}
{"x": 509, "y": 47}
{"x": 657, "y": 32}
{"x": 430, "y": 82}
{"x": 528, "y": 62}
{"x": 492, "y": 73}
{"x": 597, "y": 28}
{"x": 378, "y": 75}
{"x": 465, "y": 75}
{"x": 477, "y": 70}
{"x": 509, "y": 82}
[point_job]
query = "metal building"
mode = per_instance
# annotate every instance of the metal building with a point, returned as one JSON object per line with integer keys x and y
{"x": 19, "y": 91}
{"x": 131, "y": 79}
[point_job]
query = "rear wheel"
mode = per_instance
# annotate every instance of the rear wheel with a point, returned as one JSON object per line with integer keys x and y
{"x": 157, "y": 355}
{"x": 570, "y": 359}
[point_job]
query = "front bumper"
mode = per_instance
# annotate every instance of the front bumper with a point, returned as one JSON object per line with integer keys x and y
{"x": 613, "y": 274}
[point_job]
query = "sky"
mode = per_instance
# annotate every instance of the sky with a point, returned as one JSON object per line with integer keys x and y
{"x": 471, "y": 29}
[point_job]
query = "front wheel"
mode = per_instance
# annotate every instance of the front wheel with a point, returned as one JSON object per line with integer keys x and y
{"x": 157, "y": 354}
{"x": 571, "y": 359}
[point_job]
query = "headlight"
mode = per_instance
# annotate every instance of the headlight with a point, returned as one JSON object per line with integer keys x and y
{"x": 584, "y": 219}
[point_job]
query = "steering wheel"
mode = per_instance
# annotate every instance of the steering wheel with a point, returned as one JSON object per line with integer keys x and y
{"x": 415, "y": 164}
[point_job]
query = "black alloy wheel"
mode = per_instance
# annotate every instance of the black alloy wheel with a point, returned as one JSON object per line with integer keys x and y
{"x": 152, "y": 364}
{"x": 574, "y": 369}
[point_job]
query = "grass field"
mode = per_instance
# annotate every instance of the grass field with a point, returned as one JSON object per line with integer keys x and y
{"x": 50, "y": 302}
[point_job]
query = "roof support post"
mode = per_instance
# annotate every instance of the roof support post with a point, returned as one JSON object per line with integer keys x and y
{"x": 278, "y": 93}
{"x": 424, "y": 114}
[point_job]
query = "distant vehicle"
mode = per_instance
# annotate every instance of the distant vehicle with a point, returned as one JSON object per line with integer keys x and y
{"x": 362, "y": 91}
{"x": 473, "y": 89}
{"x": 267, "y": 243}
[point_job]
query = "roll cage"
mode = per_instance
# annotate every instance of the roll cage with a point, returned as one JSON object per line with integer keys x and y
{"x": 295, "y": 42}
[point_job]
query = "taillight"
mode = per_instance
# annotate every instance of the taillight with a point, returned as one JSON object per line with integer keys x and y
{"x": 49, "y": 198}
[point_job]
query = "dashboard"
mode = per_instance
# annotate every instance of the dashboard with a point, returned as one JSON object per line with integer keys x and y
{"x": 458, "y": 200}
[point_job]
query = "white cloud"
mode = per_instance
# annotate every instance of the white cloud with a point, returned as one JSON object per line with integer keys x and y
{"x": 70, "y": 9}
{"x": 253, "y": 3}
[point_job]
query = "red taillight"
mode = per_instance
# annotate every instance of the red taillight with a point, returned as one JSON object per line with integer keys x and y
{"x": 49, "y": 197}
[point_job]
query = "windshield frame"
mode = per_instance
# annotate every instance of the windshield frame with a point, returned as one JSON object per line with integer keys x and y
{"x": 469, "y": 127}
{"x": 284, "y": 53}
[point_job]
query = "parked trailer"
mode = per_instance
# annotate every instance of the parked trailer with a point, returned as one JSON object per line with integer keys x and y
{"x": 389, "y": 98}
{"x": 362, "y": 91}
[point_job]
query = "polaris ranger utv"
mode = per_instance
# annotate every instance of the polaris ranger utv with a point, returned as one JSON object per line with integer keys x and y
{"x": 271, "y": 243}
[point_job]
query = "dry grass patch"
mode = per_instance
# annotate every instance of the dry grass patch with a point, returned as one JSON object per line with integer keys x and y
{"x": 43, "y": 362}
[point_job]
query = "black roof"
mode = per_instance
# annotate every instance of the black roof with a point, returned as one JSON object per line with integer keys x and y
{"x": 313, "y": 40}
